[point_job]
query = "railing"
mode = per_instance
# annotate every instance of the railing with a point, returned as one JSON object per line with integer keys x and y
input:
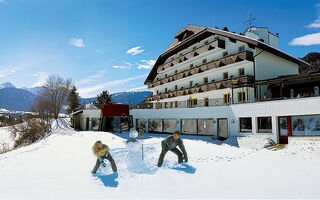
{"x": 214, "y": 85}
{"x": 201, "y": 49}
{"x": 245, "y": 55}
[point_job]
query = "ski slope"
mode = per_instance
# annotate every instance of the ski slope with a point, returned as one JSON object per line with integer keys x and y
{"x": 59, "y": 167}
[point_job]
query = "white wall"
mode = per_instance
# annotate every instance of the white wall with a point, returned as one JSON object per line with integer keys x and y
{"x": 304, "y": 106}
{"x": 268, "y": 66}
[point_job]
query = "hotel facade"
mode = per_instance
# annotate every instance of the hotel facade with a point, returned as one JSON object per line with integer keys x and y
{"x": 210, "y": 81}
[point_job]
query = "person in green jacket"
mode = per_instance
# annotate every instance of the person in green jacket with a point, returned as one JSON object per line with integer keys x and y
{"x": 170, "y": 144}
{"x": 102, "y": 152}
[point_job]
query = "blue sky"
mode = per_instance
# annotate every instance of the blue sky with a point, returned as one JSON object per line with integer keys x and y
{"x": 111, "y": 45}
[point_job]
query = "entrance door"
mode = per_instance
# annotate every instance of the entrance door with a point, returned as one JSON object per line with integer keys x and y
{"x": 222, "y": 128}
{"x": 284, "y": 129}
{"x": 87, "y": 123}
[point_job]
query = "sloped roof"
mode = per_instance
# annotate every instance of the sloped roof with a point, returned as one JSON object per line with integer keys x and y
{"x": 200, "y": 33}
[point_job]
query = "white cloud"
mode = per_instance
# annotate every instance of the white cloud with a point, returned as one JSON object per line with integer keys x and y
{"x": 306, "y": 40}
{"x": 146, "y": 64}
{"x": 316, "y": 23}
{"x": 91, "y": 78}
{"x": 99, "y": 50}
{"x": 3, "y": 1}
{"x": 126, "y": 65}
{"x": 41, "y": 78}
{"x": 135, "y": 50}
{"x": 8, "y": 70}
{"x": 76, "y": 42}
{"x": 93, "y": 90}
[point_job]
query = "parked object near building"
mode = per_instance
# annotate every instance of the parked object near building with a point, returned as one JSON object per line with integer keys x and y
{"x": 115, "y": 118}
{"x": 86, "y": 119}
{"x": 214, "y": 82}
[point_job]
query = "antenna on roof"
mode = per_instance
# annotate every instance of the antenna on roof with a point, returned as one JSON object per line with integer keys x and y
{"x": 250, "y": 21}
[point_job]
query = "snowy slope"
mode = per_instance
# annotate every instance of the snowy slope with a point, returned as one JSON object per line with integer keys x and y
{"x": 59, "y": 168}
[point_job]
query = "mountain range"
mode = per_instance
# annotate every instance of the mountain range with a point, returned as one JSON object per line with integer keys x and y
{"x": 20, "y": 99}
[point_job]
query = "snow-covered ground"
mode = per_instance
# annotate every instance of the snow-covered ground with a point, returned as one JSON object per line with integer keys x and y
{"x": 59, "y": 168}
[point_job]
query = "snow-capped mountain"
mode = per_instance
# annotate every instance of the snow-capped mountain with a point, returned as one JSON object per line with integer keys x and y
{"x": 124, "y": 97}
{"x": 6, "y": 85}
{"x": 34, "y": 90}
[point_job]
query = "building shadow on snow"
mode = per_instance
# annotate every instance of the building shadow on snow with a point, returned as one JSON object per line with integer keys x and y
{"x": 108, "y": 180}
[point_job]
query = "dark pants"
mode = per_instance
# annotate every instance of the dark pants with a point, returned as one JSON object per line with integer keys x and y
{"x": 164, "y": 152}
{"x": 109, "y": 157}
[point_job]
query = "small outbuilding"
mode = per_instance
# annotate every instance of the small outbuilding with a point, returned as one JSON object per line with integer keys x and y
{"x": 115, "y": 118}
{"x": 86, "y": 119}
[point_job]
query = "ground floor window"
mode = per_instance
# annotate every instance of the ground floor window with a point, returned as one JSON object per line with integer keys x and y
{"x": 241, "y": 96}
{"x": 264, "y": 125}
{"x": 95, "y": 123}
{"x": 305, "y": 125}
{"x": 245, "y": 124}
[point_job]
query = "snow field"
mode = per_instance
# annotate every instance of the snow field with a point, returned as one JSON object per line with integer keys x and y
{"x": 59, "y": 167}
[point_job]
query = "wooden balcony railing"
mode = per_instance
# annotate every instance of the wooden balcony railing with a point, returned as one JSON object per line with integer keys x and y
{"x": 245, "y": 55}
{"x": 218, "y": 43}
{"x": 215, "y": 85}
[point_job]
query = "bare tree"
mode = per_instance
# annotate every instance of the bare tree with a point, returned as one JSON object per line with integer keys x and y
{"x": 55, "y": 91}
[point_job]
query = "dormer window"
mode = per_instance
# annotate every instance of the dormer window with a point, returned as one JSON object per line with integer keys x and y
{"x": 183, "y": 34}
{"x": 191, "y": 65}
{"x": 166, "y": 75}
{"x": 175, "y": 71}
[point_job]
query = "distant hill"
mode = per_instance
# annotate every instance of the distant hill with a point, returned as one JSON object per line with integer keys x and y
{"x": 16, "y": 99}
{"x": 313, "y": 59}
{"x": 6, "y": 85}
{"x": 34, "y": 90}
{"x": 124, "y": 97}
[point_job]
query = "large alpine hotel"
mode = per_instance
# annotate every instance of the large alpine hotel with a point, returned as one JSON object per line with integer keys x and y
{"x": 210, "y": 81}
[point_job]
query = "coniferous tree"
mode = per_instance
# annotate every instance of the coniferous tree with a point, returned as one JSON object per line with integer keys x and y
{"x": 73, "y": 100}
{"x": 103, "y": 98}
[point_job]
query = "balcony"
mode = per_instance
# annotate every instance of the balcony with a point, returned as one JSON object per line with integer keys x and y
{"x": 238, "y": 57}
{"x": 214, "y": 85}
{"x": 195, "y": 52}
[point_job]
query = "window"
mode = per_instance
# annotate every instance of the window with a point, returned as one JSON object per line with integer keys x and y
{"x": 224, "y": 54}
{"x": 204, "y": 61}
{"x": 225, "y": 75}
{"x": 241, "y": 71}
{"x": 171, "y": 104}
{"x": 241, "y": 48}
{"x": 305, "y": 125}
{"x": 189, "y": 103}
{"x": 191, "y": 65}
{"x": 241, "y": 96}
{"x": 157, "y": 91}
{"x": 264, "y": 125}
{"x": 176, "y": 104}
{"x": 206, "y": 42}
{"x": 205, "y": 80}
{"x": 206, "y": 101}
{"x": 194, "y": 102}
{"x": 194, "y": 48}
{"x": 190, "y": 83}
{"x": 165, "y": 90}
{"x": 175, "y": 71}
{"x": 166, "y": 104}
{"x": 175, "y": 87}
{"x": 245, "y": 124}
{"x": 226, "y": 99}
{"x": 166, "y": 75}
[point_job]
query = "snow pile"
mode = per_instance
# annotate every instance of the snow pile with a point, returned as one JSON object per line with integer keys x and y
{"x": 254, "y": 142}
{"x": 59, "y": 167}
